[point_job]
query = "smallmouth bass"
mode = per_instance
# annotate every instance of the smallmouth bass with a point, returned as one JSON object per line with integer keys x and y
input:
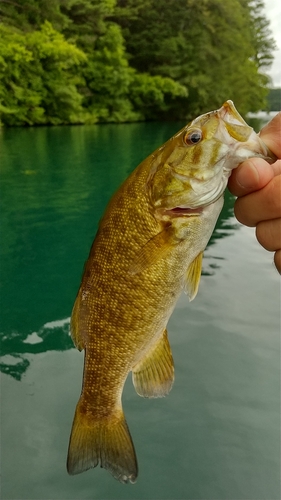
{"x": 148, "y": 248}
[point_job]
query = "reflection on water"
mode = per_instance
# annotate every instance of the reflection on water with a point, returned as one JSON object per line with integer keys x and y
{"x": 216, "y": 436}
{"x": 54, "y": 335}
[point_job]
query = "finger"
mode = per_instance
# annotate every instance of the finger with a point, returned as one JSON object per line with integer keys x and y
{"x": 276, "y": 167}
{"x": 277, "y": 260}
{"x": 270, "y": 134}
{"x": 268, "y": 234}
{"x": 251, "y": 175}
{"x": 261, "y": 205}
{"x": 255, "y": 173}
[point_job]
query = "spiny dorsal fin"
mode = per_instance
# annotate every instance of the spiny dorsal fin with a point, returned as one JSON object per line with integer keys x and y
{"x": 153, "y": 376}
{"x": 192, "y": 277}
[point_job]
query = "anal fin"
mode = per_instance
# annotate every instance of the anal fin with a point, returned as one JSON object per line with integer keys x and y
{"x": 153, "y": 376}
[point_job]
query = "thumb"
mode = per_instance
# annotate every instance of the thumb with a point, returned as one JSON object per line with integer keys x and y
{"x": 251, "y": 175}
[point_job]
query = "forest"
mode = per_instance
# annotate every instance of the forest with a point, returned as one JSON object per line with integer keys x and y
{"x": 93, "y": 61}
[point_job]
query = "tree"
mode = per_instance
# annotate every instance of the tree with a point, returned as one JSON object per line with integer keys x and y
{"x": 38, "y": 77}
{"x": 117, "y": 92}
{"x": 82, "y": 61}
{"x": 274, "y": 100}
{"x": 206, "y": 46}
{"x": 29, "y": 15}
{"x": 261, "y": 36}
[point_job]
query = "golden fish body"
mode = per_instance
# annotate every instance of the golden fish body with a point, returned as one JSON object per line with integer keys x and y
{"x": 148, "y": 248}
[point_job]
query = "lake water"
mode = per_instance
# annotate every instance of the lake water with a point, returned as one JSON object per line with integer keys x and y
{"x": 216, "y": 436}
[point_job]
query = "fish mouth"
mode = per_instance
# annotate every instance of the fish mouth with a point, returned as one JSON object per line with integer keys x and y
{"x": 248, "y": 142}
{"x": 177, "y": 212}
{"x": 181, "y": 211}
{"x": 196, "y": 205}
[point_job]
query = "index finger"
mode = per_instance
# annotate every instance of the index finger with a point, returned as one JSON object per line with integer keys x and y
{"x": 271, "y": 134}
{"x": 255, "y": 173}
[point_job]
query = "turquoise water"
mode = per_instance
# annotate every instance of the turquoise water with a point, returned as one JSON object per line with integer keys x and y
{"x": 216, "y": 436}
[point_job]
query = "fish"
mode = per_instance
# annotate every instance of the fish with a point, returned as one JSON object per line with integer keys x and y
{"x": 148, "y": 248}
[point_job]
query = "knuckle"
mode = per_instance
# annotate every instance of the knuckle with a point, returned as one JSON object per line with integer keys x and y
{"x": 262, "y": 235}
{"x": 268, "y": 234}
{"x": 243, "y": 212}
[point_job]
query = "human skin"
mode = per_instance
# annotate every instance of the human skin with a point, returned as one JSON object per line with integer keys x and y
{"x": 258, "y": 188}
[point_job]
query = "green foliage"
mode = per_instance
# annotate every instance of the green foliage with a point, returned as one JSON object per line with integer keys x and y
{"x": 29, "y": 15}
{"x": 155, "y": 95}
{"x": 261, "y": 39}
{"x": 38, "y": 82}
{"x": 207, "y": 46}
{"x": 108, "y": 77}
{"x": 118, "y": 92}
{"x": 83, "y": 61}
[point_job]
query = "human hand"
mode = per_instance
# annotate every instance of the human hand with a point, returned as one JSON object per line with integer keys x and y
{"x": 258, "y": 188}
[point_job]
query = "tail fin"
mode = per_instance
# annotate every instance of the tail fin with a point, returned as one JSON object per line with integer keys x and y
{"x": 106, "y": 441}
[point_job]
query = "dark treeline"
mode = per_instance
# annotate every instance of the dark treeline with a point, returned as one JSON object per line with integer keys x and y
{"x": 274, "y": 99}
{"x": 88, "y": 61}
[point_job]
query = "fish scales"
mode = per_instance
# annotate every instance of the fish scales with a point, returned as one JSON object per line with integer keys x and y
{"x": 148, "y": 249}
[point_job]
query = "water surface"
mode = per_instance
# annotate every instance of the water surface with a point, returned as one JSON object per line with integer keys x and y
{"x": 216, "y": 436}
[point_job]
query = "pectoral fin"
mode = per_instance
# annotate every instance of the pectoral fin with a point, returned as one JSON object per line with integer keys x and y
{"x": 192, "y": 277}
{"x": 153, "y": 376}
{"x": 155, "y": 249}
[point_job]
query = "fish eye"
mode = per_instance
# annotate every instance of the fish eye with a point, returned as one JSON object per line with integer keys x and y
{"x": 192, "y": 138}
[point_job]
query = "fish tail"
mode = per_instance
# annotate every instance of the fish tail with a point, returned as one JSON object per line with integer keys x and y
{"x": 106, "y": 441}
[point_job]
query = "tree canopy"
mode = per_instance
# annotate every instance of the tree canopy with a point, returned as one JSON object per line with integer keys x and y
{"x": 87, "y": 61}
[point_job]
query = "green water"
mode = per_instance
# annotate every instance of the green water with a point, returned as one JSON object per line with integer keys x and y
{"x": 216, "y": 436}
